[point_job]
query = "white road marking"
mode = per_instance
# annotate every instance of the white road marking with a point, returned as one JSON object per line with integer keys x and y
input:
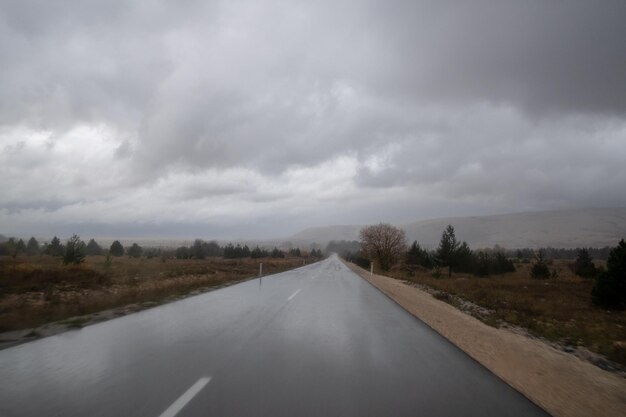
{"x": 293, "y": 295}
{"x": 182, "y": 401}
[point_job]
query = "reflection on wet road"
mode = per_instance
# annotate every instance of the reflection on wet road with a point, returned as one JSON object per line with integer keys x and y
{"x": 315, "y": 341}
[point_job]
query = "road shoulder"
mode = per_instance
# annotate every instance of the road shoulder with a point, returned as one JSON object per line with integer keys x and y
{"x": 562, "y": 384}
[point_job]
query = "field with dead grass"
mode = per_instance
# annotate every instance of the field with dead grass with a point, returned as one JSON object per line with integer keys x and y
{"x": 39, "y": 289}
{"x": 557, "y": 309}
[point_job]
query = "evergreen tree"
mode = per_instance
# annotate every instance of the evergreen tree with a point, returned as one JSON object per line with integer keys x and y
{"x": 32, "y": 247}
{"x": 584, "y": 265}
{"x": 464, "y": 258}
{"x": 277, "y": 253}
{"x": 74, "y": 251}
{"x": 183, "y": 252}
{"x": 211, "y": 249}
{"x": 197, "y": 249}
{"x": 135, "y": 251}
{"x": 55, "y": 248}
{"x": 418, "y": 256}
{"x": 229, "y": 251}
{"x": 20, "y": 247}
{"x": 447, "y": 250}
{"x": 93, "y": 248}
{"x": 609, "y": 289}
{"x": 116, "y": 249}
{"x": 540, "y": 268}
{"x": 256, "y": 253}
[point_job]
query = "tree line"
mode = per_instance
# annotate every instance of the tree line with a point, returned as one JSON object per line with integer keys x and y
{"x": 386, "y": 245}
{"x": 75, "y": 250}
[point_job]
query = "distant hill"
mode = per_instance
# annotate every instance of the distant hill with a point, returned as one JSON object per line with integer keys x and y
{"x": 559, "y": 229}
{"x": 327, "y": 233}
{"x": 3, "y": 239}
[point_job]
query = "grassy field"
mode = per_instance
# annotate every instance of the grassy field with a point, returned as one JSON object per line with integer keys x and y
{"x": 558, "y": 309}
{"x": 39, "y": 289}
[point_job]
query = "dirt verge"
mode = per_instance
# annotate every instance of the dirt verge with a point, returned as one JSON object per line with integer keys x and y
{"x": 560, "y": 383}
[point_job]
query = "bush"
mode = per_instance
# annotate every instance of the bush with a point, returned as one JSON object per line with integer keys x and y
{"x": 93, "y": 248}
{"x": 584, "y": 266}
{"x": 489, "y": 264}
{"x": 540, "y": 268}
{"x": 135, "y": 251}
{"x": 183, "y": 252}
{"x": 609, "y": 289}
{"x": 357, "y": 258}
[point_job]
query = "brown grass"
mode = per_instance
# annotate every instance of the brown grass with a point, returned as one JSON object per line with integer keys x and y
{"x": 38, "y": 290}
{"x": 558, "y": 309}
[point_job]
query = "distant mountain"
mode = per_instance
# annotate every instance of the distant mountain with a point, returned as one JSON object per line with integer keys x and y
{"x": 559, "y": 229}
{"x": 3, "y": 239}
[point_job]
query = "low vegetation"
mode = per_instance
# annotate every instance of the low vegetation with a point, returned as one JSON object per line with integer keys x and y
{"x": 574, "y": 302}
{"x": 559, "y": 309}
{"x": 37, "y": 287}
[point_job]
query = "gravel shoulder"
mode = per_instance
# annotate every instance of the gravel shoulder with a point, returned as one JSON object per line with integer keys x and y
{"x": 560, "y": 383}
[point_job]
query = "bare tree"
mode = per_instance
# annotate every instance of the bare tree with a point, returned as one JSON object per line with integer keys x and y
{"x": 384, "y": 244}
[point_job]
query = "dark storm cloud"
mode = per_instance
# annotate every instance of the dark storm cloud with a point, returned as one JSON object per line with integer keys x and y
{"x": 232, "y": 110}
{"x": 538, "y": 55}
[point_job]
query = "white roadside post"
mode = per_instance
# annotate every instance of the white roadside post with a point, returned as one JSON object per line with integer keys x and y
{"x": 371, "y": 268}
{"x": 260, "y": 269}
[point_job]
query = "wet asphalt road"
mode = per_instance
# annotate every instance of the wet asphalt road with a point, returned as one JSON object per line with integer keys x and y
{"x": 316, "y": 341}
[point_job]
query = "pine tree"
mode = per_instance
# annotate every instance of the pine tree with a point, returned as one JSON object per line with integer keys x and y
{"x": 32, "y": 247}
{"x": 55, "y": 248}
{"x": 93, "y": 248}
{"x": 584, "y": 265}
{"x": 116, "y": 249}
{"x": 540, "y": 268}
{"x": 447, "y": 250}
{"x": 74, "y": 251}
{"x": 135, "y": 251}
{"x": 609, "y": 289}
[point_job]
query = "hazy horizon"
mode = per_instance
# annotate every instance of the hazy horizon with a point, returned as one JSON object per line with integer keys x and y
{"x": 250, "y": 120}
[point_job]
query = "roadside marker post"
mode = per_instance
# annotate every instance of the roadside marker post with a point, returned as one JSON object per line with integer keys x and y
{"x": 371, "y": 268}
{"x": 260, "y": 269}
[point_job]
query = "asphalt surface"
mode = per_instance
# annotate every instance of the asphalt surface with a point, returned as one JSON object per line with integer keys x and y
{"x": 315, "y": 341}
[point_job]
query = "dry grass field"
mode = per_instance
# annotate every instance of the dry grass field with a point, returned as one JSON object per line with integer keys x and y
{"x": 39, "y": 289}
{"x": 557, "y": 309}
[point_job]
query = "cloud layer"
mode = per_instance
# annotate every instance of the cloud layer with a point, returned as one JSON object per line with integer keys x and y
{"x": 247, "y": 118}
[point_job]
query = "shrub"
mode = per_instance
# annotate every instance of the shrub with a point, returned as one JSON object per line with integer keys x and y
{"x": 135, "y": 251}
{"x": 488, "y": 264}
{"x": 93, "y": 248}
{"x": 584, "y": 266}
{"x": 540, "y": 268}
{"x": 609, "y": 289}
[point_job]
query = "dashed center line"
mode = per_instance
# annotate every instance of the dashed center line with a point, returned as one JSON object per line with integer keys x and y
{"x": 182, "y": 401}
{"x": 294, "y": 294}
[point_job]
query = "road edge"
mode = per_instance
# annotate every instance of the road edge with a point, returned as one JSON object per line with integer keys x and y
{"x": 561, "y": 384}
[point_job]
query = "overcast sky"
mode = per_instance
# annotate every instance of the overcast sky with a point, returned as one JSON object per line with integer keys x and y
{"x": 256, "y": 119}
